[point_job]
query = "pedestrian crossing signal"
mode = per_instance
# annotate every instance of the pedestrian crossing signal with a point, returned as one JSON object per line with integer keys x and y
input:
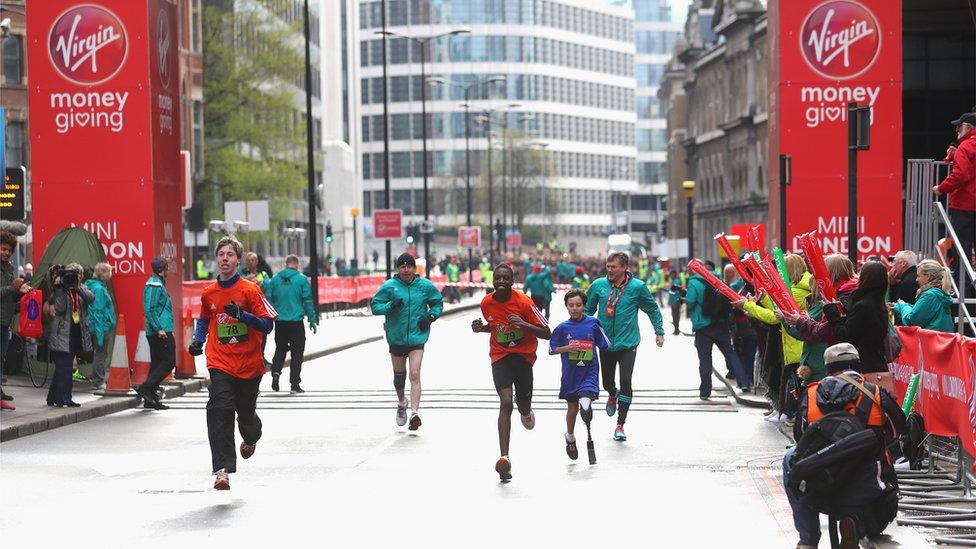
{"x": 328, "y": 233}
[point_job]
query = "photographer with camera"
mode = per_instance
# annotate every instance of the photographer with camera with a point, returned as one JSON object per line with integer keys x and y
{"x": 70, "y": 334}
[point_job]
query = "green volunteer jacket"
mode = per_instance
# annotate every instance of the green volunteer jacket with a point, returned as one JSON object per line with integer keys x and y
{"x": 291, "y": 295}
{"x": 813, "y": 353}
{"x": 931, "y": 311}
{"x": 157, "y": 306}
{"x": 420, "y": 298}
{"x": 622, "y": 327}
{"x": 540, "y": 285}
{"x": 453, "y": 273}
{"x": 101, "y": 313}
{"x": 694, "y": 298}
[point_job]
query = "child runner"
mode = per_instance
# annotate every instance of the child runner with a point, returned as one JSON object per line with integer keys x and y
{"x": 234, "y": 315}
{"x": 515, "y": 323}
{"x": 576, "y": 339}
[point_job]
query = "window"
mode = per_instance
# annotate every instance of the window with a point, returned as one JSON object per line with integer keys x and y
{"x": 15, "y": 143}
{"x": 13, "y": 59}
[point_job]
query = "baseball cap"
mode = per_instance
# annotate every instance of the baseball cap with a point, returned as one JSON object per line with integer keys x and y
{"x": 839, "y": 356}
{"x": 159, "y": 264}
{"x": 966, "y": 118}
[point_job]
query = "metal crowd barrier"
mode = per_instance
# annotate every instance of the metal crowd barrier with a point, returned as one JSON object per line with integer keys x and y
{"x": 921, "y": 221}
{"x": 941, "y": 495}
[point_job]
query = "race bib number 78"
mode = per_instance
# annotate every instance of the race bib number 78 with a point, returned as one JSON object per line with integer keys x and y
{"x": 232, "y": 333}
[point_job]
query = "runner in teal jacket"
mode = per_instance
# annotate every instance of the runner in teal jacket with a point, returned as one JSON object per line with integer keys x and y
{"x": 410, "y": 303}
{"x": 615, "y": 301}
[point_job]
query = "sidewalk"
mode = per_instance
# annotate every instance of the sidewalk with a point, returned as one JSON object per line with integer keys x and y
{"x": 33, "y": 415}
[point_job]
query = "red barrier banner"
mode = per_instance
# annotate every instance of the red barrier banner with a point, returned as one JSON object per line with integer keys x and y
{"x": 947, "y": 392}
{"x": 353, "y": 289}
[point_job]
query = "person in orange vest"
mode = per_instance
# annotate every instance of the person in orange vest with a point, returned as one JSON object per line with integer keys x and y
{"x": 840, "y": 390}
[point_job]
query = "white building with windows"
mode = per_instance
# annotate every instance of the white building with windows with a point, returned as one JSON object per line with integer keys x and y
{"x": 569, "y": 67}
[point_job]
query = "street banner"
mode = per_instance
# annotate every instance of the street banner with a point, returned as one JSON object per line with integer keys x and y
{"x": 514, "y": 239}
{"x": 469, "y": 237}
{"x": 388, "y": 224}
{"x": 823, "y": 55}
{"x": 104, "y": 112}
{"x": 947, "y": 392}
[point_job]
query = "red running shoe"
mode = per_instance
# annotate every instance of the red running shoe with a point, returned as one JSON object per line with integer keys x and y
{"x": 222, "y": 482}
{"x": 247, "y": 450}
{"x": 504, "y": 468}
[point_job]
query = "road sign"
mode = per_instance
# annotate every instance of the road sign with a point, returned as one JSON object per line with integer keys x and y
{"x": 12, "y": 194}
{"x": 514, "y": 239}
{"x": 254, "y": 212}
{"x": 427, "y": 227}
{"x": 469, "y": 237}
{"x": 388, "y": 224}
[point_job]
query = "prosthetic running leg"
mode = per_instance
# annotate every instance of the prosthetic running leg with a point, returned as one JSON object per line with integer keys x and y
{"x": 586, "y": 412}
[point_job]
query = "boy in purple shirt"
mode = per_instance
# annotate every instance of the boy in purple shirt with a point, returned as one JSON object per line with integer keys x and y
{"x": 577, "y": 340}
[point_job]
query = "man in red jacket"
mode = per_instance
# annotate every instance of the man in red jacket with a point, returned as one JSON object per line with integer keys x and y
{"x": 961, "y": 185}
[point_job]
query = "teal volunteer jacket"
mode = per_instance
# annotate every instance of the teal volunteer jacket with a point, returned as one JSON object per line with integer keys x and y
{"x": 291, "y": 295}
{"x": 420, "y": 298}
{"x": 622, "y": 327}
{"x": 157, "y": 306}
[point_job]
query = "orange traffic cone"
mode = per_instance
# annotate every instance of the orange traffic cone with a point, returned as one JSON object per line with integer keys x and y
{"x": 118, "y": 383}
{"x": 186, "y": 367}
{"x": 140, "y": 363}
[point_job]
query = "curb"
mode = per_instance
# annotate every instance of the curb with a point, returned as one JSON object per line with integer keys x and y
{"x": 739, "y": 399}
{"x": 332, "y": 350}
{"x": 59, "y": 417}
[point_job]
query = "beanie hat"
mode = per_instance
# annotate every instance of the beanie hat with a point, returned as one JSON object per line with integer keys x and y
{"x": 405, "y": 259}
{"x": 159, "y": 264}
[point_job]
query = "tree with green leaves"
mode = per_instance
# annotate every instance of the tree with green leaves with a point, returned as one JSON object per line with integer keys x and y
{"x": 254, "y": 133}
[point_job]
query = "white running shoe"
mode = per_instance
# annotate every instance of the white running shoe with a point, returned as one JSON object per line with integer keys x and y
{"x": 777, "y": 418}
{"x": 401, "y": 416}
{"x": 528, "y": 421}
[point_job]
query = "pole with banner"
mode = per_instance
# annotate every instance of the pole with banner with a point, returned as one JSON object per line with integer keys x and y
{"x": 388, "y": 225}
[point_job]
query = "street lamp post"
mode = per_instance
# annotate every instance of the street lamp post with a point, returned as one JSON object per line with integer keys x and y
{"x": 386, "y": 139}
{"x": 486, "y": 118}
{"x": 313, "y": 249}
{"x": 423, "y": 42}
{"x": 688, "y": 187}
{"x": 467, "y": 143}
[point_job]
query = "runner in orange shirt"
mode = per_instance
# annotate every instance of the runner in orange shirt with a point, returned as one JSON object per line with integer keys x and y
{"x": 234, "y": 316}
{"x": 515, "y": 324}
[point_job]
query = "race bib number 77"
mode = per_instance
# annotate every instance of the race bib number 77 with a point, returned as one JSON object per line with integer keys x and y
{"x": 585, "y": 352}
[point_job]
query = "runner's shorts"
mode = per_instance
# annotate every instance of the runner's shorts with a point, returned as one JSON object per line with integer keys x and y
{"x": 404, "y": 350}
{"x": 513, "y": 370}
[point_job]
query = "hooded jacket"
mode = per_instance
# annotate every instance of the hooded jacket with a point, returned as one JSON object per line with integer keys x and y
{"x": 930, "y": 311}
{"x": 59, "y": 337}
{"x": 961, "y": 181}
{"x": 101, "y": 313}
{"x": 291, "y": 295}
{"x": 420, "y": 298}
{"x": 157, "y": 306}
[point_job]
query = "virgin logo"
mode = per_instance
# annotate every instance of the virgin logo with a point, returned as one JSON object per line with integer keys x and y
{"x": 840, "y": 39}
{"x": 87, "y": 44}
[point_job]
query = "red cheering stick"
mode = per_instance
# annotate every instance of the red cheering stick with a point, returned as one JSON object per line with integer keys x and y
{"x": 696, "y": 267}
{"x": 751, "y": 242}
{"x": 733, "y": 257}
{"x": 762, "y": 281}
{"x": 779, "y": 286}
{"x": 811, "y": 247}
{"x": 759, "y": 243}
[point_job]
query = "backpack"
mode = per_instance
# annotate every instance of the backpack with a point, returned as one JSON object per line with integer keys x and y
{"x": 716, "y": 306}
{"x": 836, "y": 468}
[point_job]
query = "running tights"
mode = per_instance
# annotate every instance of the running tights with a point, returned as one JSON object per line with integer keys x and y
{"x": 608, "y": 366}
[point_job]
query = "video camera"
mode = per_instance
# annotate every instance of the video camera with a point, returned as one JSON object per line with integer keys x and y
{"x": 68, "y": 277}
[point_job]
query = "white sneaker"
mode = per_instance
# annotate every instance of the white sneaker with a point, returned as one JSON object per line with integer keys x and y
{"x": 776, "y": 418}
{"x": 528, "y": 421}
{"x": 401, "y": 415}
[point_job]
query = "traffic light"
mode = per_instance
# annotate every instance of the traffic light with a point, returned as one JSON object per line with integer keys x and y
{"x": 664, "y": 228}
{"x": 328, "y": 232}
{"x": 412, "y": 231}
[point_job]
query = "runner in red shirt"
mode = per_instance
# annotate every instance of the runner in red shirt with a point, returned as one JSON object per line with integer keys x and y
{"x": 515, "y": 324}
{"x": 234, "y": 316}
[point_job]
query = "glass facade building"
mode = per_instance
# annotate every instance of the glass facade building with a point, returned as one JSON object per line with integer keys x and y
{"x": 656, "y": 29}
{"x": 569, "y": 67}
